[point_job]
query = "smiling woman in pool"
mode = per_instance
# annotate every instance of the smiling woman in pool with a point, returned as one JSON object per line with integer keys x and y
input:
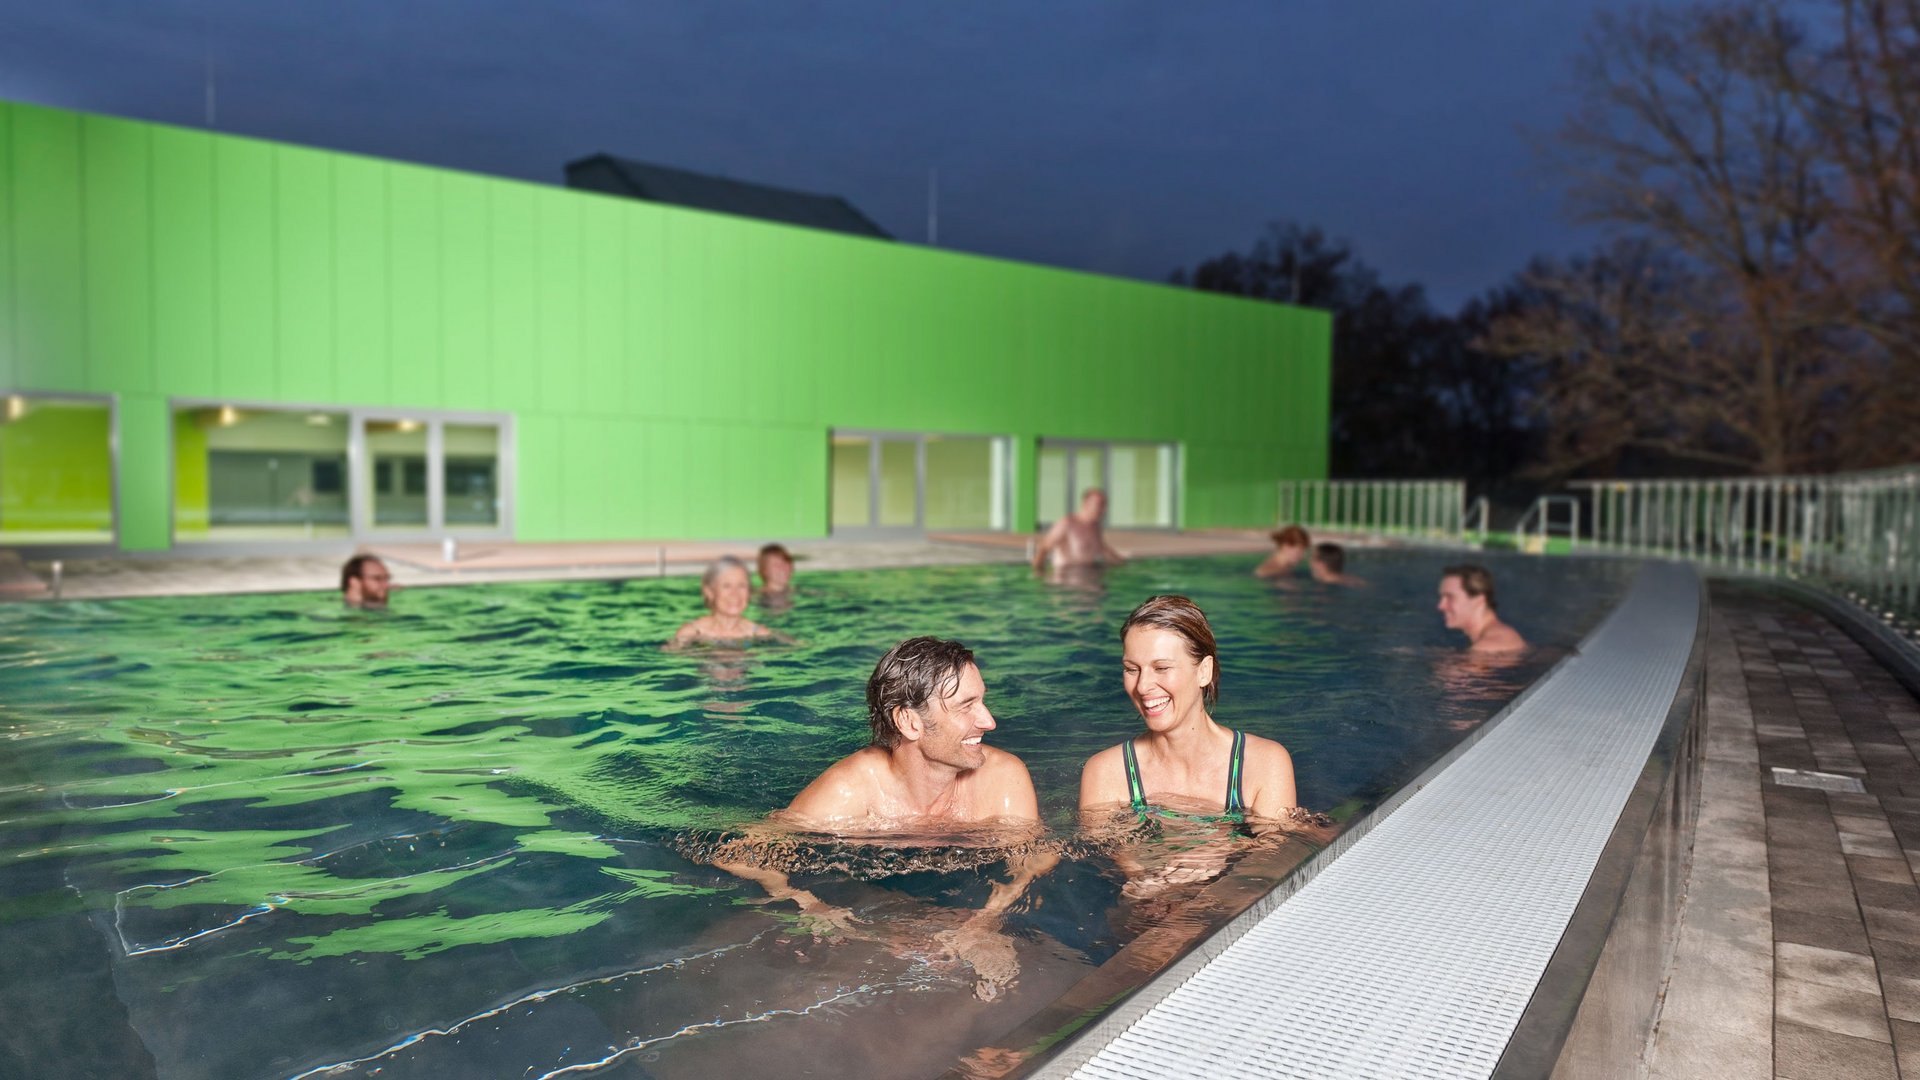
{"x": 1185, "y": 764}
{"x": 726, "y": 587}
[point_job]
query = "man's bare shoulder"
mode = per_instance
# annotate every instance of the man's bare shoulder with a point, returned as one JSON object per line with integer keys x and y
{"x": 846, "y": 789}
{"x": 1007, "y": 787}
{"x": 1500, "y": 638}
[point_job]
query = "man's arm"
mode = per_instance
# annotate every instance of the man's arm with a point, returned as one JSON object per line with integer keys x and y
{"x": 1108, "y": 552}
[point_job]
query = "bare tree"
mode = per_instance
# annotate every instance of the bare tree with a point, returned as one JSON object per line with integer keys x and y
{"x": 1767, "y": 323}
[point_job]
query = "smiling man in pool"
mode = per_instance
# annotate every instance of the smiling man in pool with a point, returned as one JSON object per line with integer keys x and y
{"x": 928, "y": 763}
{"x": 927, "y": 772}
{"x": 1467, "y": 605}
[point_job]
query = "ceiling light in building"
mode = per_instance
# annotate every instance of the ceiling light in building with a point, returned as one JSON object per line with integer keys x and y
{"x": 16, "y": 407}
{"x": 229, "y": 416}
{"x": 319, "y": 419}
{"x": 407, "y": 427}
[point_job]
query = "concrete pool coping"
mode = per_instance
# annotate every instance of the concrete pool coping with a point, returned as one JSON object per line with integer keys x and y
{"x": 316, "y": 567}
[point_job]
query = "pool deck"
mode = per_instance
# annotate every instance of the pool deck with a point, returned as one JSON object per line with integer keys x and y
{"x": 1799, "y": 948}
{"x": 418, "y": 565}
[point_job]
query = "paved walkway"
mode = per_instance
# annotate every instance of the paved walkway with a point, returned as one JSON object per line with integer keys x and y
{"x": 1799, "y": 950}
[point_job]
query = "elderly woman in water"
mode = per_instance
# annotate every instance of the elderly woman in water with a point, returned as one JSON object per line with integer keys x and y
{"x": 1184, "y": 765}
{"x": 726, "y": 587}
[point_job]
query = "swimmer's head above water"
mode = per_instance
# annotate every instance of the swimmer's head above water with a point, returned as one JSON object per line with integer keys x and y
{"x": 1467, "y": 604}
{"x": 914, "y": 675}
{"x": 365, "y": 582}
{"x": 1183, "y": 620}
{"x": 776, "y": 568}
{"x": 726, "y": 586}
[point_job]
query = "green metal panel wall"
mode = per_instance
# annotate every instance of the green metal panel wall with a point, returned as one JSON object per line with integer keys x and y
{"x": 674, "y": 373}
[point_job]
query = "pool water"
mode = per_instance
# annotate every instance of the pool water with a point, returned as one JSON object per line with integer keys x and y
{"x": 263, "y": 836}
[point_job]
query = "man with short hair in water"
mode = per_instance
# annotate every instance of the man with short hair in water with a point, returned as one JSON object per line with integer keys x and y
{"x": 928, "y": 762}
{"x": 365, "y": 582}
{"x": 1076, "y": 539}
{"x": 1329, "y": 566}
{"x": 1467, "y": 605}
{"x": 927, "y": 770}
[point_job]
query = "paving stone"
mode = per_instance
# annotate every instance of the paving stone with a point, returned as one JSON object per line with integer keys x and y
{"x": 1867, "y": 867}
{"x": 1890, "y": 895}
{"x": 1833, "y": 899}
{"x": 1897, "y": 959}
{"x": 1879, "y": 848}
{"x": 1902, "y": 996}
{"x": 1826, "y": 932}
{"x": 1807, "y": 1053}
{"x": 1847, "y": 802}
{"x": 1906, "y": 1047}
{"x": 1859, "y": 1013}
{"x": 1864, "y": 826}
{"x": 1805, "y": 867}
{"x": 1828, "y": 967}
{"x": 1895, "y": 925}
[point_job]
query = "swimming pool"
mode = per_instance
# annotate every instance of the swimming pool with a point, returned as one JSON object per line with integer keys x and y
{"x": 262, "y": 836}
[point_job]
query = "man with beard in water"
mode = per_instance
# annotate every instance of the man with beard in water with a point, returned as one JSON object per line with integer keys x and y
{"x": 928, "y": 772}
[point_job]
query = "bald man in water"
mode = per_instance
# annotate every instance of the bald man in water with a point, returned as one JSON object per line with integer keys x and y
{"x": 1077, "y": 539}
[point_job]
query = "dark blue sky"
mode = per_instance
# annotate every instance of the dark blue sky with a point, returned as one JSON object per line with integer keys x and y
{"x": 1119, "y": 136}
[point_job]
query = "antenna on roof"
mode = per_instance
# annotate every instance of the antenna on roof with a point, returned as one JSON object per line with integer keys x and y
{"x": 206, "y": 41}
{"x": 933, "y": 207}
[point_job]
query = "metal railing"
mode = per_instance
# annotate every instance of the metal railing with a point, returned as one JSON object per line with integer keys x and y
{"x": 1537, "y": 524}
{"x": 1435, "y": 508}
{"x": 1858, "y": 533}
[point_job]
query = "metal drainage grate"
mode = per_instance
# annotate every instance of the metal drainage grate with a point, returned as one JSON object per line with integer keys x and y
{"x": 1824, "y": 781}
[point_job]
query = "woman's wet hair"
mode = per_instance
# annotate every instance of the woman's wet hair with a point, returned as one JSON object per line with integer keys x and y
{"x": 1182, "y": 616}
{"x": 1291, "y": 536}
{"x": 1474, "y": 580}
{"x": 722, "y": 565}
{"x": 912, "y": 673}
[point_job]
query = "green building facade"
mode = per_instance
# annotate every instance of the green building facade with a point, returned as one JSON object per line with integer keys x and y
{"x": 207, "y": 339}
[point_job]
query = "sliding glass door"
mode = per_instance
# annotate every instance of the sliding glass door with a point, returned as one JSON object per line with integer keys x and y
{"x": 1140, "y": 480}
{"x": 902, "y": 483}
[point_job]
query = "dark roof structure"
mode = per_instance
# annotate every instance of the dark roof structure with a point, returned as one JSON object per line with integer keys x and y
{"x": 677, "y": 187}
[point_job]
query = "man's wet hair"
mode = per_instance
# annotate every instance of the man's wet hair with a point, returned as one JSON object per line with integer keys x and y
{"x": 914, "y": 672}
{"x": 1183, "y": 617}
{"x": 1291, "y": 536}
{"x": 1475, "y": 580}
{"x": 354, "y": 568}
{"x": 1332, "y": 556}
{"x": 774, "y": 549}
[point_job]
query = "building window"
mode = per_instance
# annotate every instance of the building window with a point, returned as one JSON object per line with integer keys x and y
{"x": 251, "y": 472}
{"x": 56, "y": 469}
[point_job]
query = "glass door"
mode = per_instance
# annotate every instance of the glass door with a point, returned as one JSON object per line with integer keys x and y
{"x": 1139, "y": 479}
{"x": 887, "y": 483}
